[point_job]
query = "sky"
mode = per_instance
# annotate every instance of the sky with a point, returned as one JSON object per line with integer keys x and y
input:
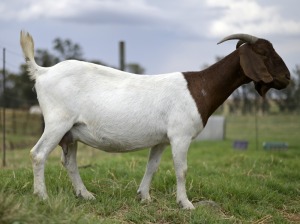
{"x": 162, "y": 36}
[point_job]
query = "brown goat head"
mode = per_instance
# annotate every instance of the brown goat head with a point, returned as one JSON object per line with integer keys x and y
{"x": 261, "y": 63}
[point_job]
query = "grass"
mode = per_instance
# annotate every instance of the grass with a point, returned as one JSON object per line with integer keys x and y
{"x": 252, "y": 186}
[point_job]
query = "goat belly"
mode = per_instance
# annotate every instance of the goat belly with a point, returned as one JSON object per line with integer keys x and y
{"x": 117, "y": 141}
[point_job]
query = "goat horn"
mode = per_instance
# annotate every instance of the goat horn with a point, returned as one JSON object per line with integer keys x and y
{"x": 240, "y": 36}
{"x": 239, "y": 43}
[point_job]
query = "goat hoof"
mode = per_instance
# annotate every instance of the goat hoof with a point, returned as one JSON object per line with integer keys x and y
{"x": 41, "y": 195}
{"x": 144, "y": 198}
{"x": 187, "y": 205}
{"x": 86, "y": 195}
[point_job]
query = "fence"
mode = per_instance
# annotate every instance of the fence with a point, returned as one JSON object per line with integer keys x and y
{"x": 22, "y": 128}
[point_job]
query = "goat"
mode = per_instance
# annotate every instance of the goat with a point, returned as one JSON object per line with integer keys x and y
{"x": 116, "y": 111}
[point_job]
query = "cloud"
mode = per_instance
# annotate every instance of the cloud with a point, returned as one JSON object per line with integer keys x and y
{"x": 180, "y": 18}
{"x": 87, "y": 11}
{"x": 249, "y": 16}
{"x": 209, "y": 18}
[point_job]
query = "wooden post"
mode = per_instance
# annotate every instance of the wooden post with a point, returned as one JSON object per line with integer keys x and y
{"x": 122, "y": 55}
{"x": 256, "y": 121}
{"x": 3, "y": 111}
{"x": 14, "y": 121}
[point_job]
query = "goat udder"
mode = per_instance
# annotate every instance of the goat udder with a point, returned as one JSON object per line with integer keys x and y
{"x": 65, "y": 141}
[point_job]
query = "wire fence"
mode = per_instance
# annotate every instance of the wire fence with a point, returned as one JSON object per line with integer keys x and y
{"x": 22, "y": 128}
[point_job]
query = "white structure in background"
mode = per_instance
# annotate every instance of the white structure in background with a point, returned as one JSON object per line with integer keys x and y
{"x": 214, "y": 129}
{"x": 35, "y": 110}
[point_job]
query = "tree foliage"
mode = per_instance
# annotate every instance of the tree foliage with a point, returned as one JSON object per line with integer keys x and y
{"x": 44, "y": 58}
{"x": 22, "y": 93}
{"x": 135, "y": 68}
{"x": 66, "y": 49}
{"x": 289, "y": 99}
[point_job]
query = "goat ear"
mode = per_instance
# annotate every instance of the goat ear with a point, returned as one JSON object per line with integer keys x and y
{"x": 253, "y": 65}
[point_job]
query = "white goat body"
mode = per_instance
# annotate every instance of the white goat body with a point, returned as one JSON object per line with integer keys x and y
{"x": 117, "y": 111}
{"x": 114, "y": 111}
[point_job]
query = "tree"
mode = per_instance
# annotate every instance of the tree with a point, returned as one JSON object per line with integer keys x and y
{"x": 98, "y": 62}
{"x": 19, "y": 90}
{"x": 288, "y": 100}
{"x": 44, "y": 58}
{"x": 135, "y": 68}
{"x": 67, "y": 49}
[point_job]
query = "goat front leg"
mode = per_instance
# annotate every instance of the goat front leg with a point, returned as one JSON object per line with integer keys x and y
{"x": 153, "y": 162}
{"x": 68, "y": 159}
{"x": 180, "y": 148}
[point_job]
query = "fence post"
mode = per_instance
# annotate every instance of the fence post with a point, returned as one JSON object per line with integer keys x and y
{"x": 3, "y": 117}
{"x": 256, "y": 120}
{"x": 14, "y": 121}
{"x": 122, "y": 55}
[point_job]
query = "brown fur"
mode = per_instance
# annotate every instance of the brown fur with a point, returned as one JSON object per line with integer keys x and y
{"x": 218, "y": 82}
{"x": 257, "y": 62}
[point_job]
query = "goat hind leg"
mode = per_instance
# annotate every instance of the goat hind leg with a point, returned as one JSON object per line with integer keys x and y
{"x": 68, "y": 159}
{"x": 39, "y": 153}
{"x": 153, "y": 162}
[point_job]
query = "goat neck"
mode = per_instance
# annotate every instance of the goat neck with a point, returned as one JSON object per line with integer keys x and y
{"x": 212, "y": 86}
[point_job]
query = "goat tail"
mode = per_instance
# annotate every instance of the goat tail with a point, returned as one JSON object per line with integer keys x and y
{"x": 27, "y": 45}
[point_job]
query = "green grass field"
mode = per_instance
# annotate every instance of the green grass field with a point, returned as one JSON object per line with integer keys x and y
{"x": 252, "y": 186}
